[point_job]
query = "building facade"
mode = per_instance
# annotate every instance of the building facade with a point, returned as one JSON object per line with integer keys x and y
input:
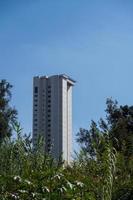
{"x": 52, "y": 114}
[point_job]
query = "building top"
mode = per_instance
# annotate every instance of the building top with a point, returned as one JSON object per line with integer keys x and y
{"x": 72, "y": 81}
{"x": 68, "y": 77}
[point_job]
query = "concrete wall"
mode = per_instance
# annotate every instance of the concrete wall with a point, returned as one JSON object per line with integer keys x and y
{"x": 52, "y": 114}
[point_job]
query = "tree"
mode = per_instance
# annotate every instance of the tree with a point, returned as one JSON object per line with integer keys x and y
{"x": 119, "y": 126}
{"x": 90, "y": 139}
{"x": 8, "y": 115}
{"x": 117, "y": 131}
{"x": 120, "y": 123}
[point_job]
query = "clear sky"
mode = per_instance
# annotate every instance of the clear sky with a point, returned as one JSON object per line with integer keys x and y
{"x": 90, "y": 40}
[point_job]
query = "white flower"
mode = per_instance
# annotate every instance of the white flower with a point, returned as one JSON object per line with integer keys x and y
{"x": 62, "y": 189}
{"x": 79, "y": 183}
{"x": 28, "y": 182}
{"x": 14, "y": 196}
{"x": 58, "y": 176}
{"x": 46, "y": 189}
{"x": 33, "y": 194}
{"x": 70, "y": 185}
{"x": 17, "y": 178}
{"x": 22, "y": 191}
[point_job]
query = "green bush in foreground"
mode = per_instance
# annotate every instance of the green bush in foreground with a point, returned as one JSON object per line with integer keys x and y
{"x": 32, "y": 175}
{"x": 29, "y": 174}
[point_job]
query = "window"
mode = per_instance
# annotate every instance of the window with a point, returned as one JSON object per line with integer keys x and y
{"x": 35, "y": 120}
{"x": 35, "y": 95}
{"x": 49, "y": 125}
{"x": 36, "y": 89}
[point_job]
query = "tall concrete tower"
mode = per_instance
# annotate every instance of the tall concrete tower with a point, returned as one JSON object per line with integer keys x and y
{"x": 52, "y": 114}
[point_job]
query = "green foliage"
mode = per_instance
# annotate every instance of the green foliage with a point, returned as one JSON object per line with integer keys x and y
{"x": 29, "y": 174}
{"x": 102, "y": 141}
{"x": 7, "y": 113}
{"x": 118, "y": 124}
{"x": 26, "y": 173}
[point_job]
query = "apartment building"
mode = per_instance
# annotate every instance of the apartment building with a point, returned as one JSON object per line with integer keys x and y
{"x": 52, "y": 114}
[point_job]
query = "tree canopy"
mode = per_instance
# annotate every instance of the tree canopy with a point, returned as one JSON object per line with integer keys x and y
{"x": 118, "y": 125}
{"x": 8, "y": 114}
{"x": 115, "y": 132}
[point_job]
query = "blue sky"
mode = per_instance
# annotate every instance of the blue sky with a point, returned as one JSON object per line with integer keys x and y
{"x": 90, "y": 40}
